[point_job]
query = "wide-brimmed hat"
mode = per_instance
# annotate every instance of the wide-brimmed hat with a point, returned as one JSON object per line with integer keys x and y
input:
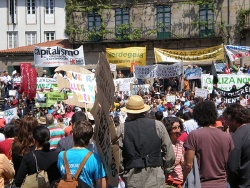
{"x": 42, "y": 120}
{"x": 135, "y": 105}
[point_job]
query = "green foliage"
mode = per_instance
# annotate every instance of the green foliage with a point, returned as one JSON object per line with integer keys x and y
{"x": 128, "y": 32}
{"x": 241, "y": 18}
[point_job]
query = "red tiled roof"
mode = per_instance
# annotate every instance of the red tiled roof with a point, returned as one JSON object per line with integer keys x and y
{"x": 30, "y": 49}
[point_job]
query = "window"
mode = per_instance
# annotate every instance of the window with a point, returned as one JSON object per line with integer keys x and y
{"x": 122, "y": 27}
{"x": 31, "y": 6}
{"x": 12, "y": 40}
{"x": 94, "y": 21}
{"x": 49, "y": 36}
{"x": 164, "y": 21}
{"x": 30, "y": 38}
{"x": 94, "y": 24}
{"x": 12, "y": 19}
{"x": 206, "y": 21}
{"x": 49, "y": 6}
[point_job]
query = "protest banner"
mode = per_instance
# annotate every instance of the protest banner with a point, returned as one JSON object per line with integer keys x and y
{"x": 75, "y": 74}
{"x": 220, "y": 67}
{"x": 225, "y": 81}
{"x": 233, "y": 97}
{"x": 190, "y": 56}
{"x": 104, "y": 101}
{"x": 144, "y": 88}
{"x": 12, "y": 92}
{"x": 158, "y": 71}
{"x": 53, "y": 97}
{"x": 103, "y": 140}
{"x": 201, "y": 93}
{"x": 123, "y": 57}
{"x": 83, "y": 85}
{"x": 46, "y": 83}
{"x": 57, "y": 56}
{"x": 112, "y": 67}
{"x": 10, "y": 114}
{"x": 237, "y": 52}
{"x": 123, "y": 81}
{"x": 170, "y": 98}
{"x": 124, "y": 87}
{"x": 32, "y": 83}
{"x": 66, "y": 121}
{"x": 24, "y": 68}
{"x": 191, "y": 74}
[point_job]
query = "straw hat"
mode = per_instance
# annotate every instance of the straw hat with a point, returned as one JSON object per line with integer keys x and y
{"x": 135, "y": 105}
{"x": 42, "y": 120}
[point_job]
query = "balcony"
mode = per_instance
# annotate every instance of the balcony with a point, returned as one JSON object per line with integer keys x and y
{"x": 247, "y": 21}
{"x": 177, "y": 31}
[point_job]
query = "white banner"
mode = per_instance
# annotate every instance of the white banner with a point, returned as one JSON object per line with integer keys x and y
{"x": 124, "y": 87}
{"x": 56, "y": 56}
{"x": 237, "y": 52}
{"x": 225, "y": 81}
{"x": 201, "y": 93}
{"x": 112, "y": 67}
{"x": 158, "y": 71}
{"x": 10, "y": 114}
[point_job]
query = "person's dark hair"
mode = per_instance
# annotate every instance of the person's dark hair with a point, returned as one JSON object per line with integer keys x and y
{"x": 116, "y": 120}
{"x": 238, "y": 113}
{"x": 42, "y": 135}
{"x": 49, "y": 119}
{"x": 169, "y": 121}
{"x": 205, "y": 113}
{"x": 158, "y": 115}
{"x": 9, "y": 131}
{"x": 77, "y": 116}
{"x": 24, "y": 138}
{"x": 82, "y": 133}
{"x": 179, "y": 114}
{"x": 187, "y": 116}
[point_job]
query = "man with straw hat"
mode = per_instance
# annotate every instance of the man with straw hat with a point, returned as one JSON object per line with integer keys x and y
{"x": 147, "y": 151}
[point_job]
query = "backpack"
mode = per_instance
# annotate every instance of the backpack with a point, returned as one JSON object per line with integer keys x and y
{"x": 68, "y": 181}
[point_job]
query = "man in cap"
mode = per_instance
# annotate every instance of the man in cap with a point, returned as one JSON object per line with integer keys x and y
{"x": 238, "y": 119}
{"x": 147, "y": 151}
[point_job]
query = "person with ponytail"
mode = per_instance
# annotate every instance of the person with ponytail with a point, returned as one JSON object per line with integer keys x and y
{"x": 46, "y": 159}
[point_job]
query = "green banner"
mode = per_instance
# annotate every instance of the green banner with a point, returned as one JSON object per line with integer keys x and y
{"x": 53, "y": 97}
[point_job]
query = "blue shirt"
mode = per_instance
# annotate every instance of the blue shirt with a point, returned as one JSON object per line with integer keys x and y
{"x": 92, "y": 170}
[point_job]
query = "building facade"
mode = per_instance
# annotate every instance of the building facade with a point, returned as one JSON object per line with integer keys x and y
{"x": 168, "y": 24}
{"x": 27, "y": 22}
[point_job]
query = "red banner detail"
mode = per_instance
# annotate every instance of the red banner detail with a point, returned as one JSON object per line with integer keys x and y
{"x": 24, "y": 69}
{"x": 32, "y": 83}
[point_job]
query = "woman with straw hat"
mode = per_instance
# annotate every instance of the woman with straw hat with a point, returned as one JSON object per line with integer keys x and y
{"x": 146, "y": 147}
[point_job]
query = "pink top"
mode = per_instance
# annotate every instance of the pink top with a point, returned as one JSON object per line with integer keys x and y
{"x": 179, "y": 160}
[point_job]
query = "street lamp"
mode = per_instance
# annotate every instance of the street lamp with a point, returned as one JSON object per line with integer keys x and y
{"x": 228, "y": 28}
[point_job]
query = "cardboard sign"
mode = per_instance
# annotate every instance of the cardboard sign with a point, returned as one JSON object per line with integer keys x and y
{"x": 103, "y": 132}
{"x": 201, "y": 93}
{"x": 74, "y": 75}
{"x": 10, "y": 114}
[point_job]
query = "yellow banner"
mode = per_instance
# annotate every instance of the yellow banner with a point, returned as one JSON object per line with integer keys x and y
{"x": 123, "y": 57}
{"x": 206, "y": 54}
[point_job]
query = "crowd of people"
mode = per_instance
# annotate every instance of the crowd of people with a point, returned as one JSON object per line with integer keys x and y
{"x": 185, "y": 141}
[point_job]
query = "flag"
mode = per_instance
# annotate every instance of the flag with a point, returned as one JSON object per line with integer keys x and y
{"x": 214, "y": 73}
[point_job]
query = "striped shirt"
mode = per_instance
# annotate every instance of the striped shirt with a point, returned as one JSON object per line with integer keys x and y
{"x": 179, "y": 160}
{"x": 56, "y": 134}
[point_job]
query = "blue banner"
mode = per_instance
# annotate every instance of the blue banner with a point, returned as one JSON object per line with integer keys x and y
{"x": 191, "y": 74}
